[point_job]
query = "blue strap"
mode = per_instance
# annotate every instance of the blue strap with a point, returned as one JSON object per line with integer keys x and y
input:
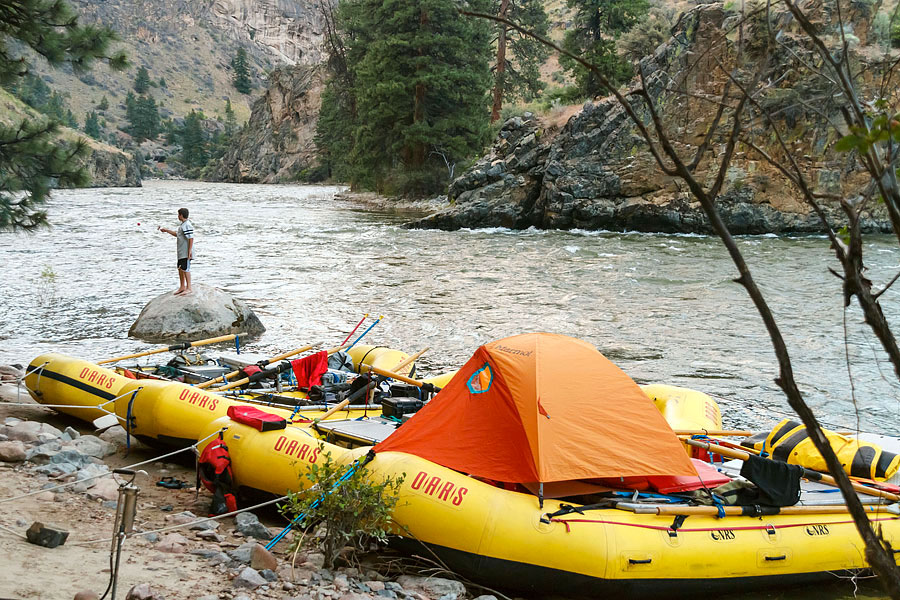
{"x": 237, "y": 344}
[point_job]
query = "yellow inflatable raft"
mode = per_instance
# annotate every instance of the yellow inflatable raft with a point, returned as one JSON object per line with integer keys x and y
{"x": 501, "y": 537}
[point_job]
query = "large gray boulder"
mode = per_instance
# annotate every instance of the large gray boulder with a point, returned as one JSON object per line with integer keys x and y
{"x": 207, "y": 312}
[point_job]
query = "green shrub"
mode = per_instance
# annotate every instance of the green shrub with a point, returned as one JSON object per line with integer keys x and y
{"x": 355, "y": 514}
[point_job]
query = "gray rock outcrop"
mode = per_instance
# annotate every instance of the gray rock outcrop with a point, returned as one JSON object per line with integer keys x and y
{"x": 596, "y": 171}
{"x": 207, "y": 312}
{"x": 277, "y": 145}
{"x": 111, "y": 167}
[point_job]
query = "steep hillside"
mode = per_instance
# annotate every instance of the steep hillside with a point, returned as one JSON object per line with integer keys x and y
{"x": 108, "y": 166}
{"x": 189, "y": 46}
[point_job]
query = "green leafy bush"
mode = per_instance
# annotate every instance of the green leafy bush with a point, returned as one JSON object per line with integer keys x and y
{"x": 354, "y": 514}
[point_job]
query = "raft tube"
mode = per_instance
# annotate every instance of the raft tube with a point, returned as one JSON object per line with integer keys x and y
{"x": 491, "y": 534}
{"x": 63, "y": 382}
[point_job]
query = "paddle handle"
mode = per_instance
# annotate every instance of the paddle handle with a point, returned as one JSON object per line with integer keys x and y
{"x": 335, "y": 408}
{"x": 392, "y": 375}
{"x": 807, "y": 473}
{"x": 411, "y": 359}
{"x": 174, "y": 348}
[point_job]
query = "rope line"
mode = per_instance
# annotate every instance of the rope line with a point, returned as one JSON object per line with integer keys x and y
{"x": 20, "y": 382}
{"x": 110, "y": 473}
{"x": 181, "y": 525}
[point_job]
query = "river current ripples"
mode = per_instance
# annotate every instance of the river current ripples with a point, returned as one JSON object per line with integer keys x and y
{"x": 663, "y": 307}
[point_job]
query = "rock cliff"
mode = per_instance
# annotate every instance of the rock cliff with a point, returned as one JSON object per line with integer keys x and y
{"x": 111, "y": 167}
{"x": 277, "y": 143}
{"x": 597, "y": 174}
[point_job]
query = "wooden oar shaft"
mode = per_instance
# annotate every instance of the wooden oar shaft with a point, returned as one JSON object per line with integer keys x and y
{"x": 392, "y": 375}
{"x": 808, "y": 474}
{"x": 227, "y": 376}
{"x": 246, "y": 380}
{"x": 715, "y": 432}
{"x": 174, "y": 347}
{"x": 411, "y": 359}
{"x": 335, "y": 409}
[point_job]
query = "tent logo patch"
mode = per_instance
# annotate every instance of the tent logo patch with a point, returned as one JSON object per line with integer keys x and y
{"x": 481, "y": 380}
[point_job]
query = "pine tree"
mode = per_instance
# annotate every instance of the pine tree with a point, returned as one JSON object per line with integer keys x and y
{"x": 32, "y": 157}
{"x": 143, "y": 119}
{"x": 241, "y": 67}
{"x": 230, "y": 120}
{"x": 104, "y": 104}
{"x": 597, "y": 25}
{"x": 92, "y": 125}
{"x": 421, "y": 82}
{"x": 142, "y": 81}
{"x": 194, "y": 152}
{"x": 519, "y": 57}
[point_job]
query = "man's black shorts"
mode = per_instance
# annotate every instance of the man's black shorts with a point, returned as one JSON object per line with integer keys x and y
{"x": 184, "y": 264}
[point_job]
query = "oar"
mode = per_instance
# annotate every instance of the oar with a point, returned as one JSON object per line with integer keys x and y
{"x": 715, "y": 432}
{"x": 349, "y": 335}
{"x": 807, "y": 474}
{"x": 356, "y": 341}
{"x": 174, "y": 348}
{"x": 403, "y": 378}
{"x": 750, "y": 511}
{"x": 227, "y": 376}
{"x": 283, "y": 366}
{"x": 733, "y": 432}
{"x": 411, "y": 359}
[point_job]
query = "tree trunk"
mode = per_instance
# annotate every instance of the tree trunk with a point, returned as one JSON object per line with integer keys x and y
{"x": 501, "y": 65}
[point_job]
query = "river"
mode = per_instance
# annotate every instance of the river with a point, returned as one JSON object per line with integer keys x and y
{"x": 663, "y": 307}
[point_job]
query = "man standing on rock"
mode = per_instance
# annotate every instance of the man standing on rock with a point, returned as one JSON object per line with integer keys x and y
{"x": 184, "y": 235}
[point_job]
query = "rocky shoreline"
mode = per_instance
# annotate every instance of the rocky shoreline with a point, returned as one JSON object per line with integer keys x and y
{"x": 206, "y": 560}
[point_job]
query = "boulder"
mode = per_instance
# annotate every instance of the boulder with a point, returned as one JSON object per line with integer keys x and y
{"x": 207, "y": 312}
{"x": 49, "y": 536}
{"x": 173, "y": 543}
{"x": 143, "y": 591}
{"x": 12, "y": 451}
{"x": 249, "y": 578}
{"x": 436, "y": 587}
{"x": 30, "y": 431}
{"x": 249, "y": 525}
{"x": 91, "y": 445}
{"x": 260, "y": 558}
{"x": 118, "y": 436}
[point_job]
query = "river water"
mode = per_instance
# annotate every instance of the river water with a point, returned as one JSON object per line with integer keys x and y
{"x": 663, "y": 307}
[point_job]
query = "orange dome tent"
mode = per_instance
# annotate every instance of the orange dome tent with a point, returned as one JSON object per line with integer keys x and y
{"x": 541, "y": 408}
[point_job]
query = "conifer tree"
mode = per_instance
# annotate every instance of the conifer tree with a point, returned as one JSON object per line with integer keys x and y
{"x": 519, "y": 57}
{"x": 104, "y": 104}
{"x": 92, "y": 125}
{"x": 142, "y": 81}
{"x": 241, "y": 66}
{"x": 597, "y": 25}
{"x": 230, "y": 120}
{"x": 194, "y": 152}
{"x": 31, "y": 156}
{"x": 421, "y": 81}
